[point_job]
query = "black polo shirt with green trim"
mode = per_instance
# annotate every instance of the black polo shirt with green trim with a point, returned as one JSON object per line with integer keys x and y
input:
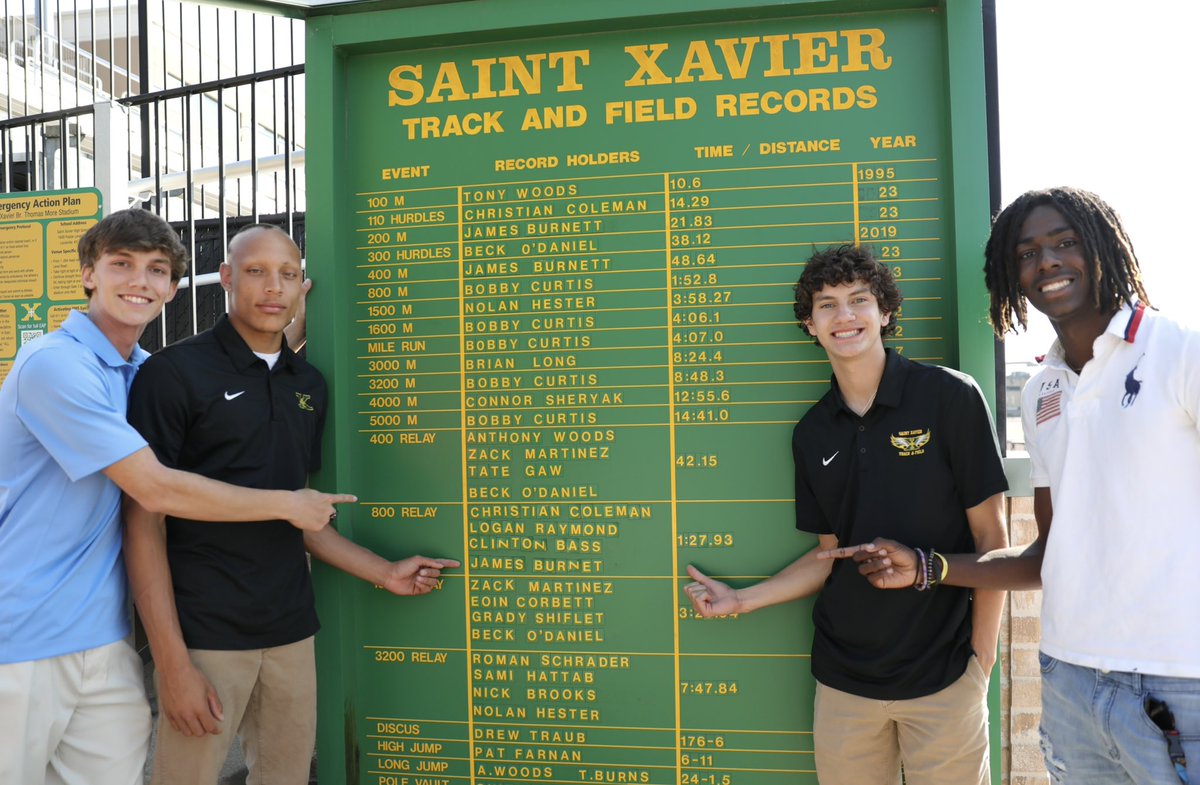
{"x": 209, "y": 405}
{"x": 924, "y": 453}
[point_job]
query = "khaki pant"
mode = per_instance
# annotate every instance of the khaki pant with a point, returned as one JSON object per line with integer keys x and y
{"x": 269, "y": 698}
{"x": 941, "y": 738}
{"x": 78, "y": 719}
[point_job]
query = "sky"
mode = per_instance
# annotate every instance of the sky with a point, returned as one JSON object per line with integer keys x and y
{"x": 1100, "y": 94}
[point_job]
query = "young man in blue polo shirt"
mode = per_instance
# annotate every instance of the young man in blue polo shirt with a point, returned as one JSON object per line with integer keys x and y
{"x": 229, "y": 609}
{"x": 1112, "y": 425}
{"x": 902, "y": 681}
{"x": 72, "y": 704}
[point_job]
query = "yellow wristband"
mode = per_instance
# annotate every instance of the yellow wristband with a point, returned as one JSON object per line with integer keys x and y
{"x": 945, "y": 566}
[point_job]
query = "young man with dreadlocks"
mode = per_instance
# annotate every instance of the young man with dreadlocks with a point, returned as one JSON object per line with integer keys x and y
{"x": 906, "y": 450}
{"x": 1111, "y": 423}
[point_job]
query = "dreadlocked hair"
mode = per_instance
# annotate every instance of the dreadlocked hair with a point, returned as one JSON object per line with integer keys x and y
{"x": 1116, "y": 276}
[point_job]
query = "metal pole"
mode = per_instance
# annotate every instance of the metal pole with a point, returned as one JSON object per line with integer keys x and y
{"x": 144, "y": 81}
{"x": 112, "y": 155}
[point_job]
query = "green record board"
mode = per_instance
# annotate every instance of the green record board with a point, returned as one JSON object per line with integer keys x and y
{"x": 561, "y": 346}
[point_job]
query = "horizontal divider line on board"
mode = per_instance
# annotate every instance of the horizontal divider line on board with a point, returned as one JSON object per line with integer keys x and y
{"x": 659, "y": 175}
{"x": 662, "y": 230}
{"x": 586, "y": 427}
{"x": 577, "y": 197}
{"x": 552, "y": 390}
{"x": 584, "y": 745}
{"x": 653, "y": 347}
{"x": 597, "y": 764}
{"x": 591, "y": 503}
{"x": 433, "y": 721}
{"x": 679, "y": 249}
{"x": 597, "y": 406}
{"x": 561, "y": 577}
{"x": 573, "y": 652}
{"x": 656, "y": 271}
{"x": 580, "y": 368}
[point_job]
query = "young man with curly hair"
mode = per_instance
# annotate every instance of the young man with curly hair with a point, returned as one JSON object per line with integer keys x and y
{"x": 894, "y": 447}
{"x": 1111, "y": 427}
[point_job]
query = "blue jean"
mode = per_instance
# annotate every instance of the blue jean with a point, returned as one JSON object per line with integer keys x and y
{"x": 1095, "y": 730}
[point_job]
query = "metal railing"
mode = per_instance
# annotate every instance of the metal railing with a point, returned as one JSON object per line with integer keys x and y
{"x": 212, "y": 126}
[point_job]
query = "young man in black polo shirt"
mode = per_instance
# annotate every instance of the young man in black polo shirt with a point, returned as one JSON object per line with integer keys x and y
{"x": 894, "y": 446}
{"x": 229, "y": 608}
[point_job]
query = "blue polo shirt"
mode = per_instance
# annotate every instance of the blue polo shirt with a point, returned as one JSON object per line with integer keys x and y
{"x": 62, "y": 421}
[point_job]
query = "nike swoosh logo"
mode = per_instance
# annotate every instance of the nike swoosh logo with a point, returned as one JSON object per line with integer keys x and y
{"x": 231, "y": 396}
{"x": 829, "y": 460}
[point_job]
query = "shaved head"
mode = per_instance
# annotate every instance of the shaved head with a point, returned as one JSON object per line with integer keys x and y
{"x": 248, "y": 235}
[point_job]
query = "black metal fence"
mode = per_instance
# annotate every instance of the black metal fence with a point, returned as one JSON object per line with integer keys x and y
{"x": 198, "y": 308}
{"x": 212, "y": 120}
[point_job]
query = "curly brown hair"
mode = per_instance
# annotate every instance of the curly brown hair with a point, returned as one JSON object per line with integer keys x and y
{"x": 844, "y": 264}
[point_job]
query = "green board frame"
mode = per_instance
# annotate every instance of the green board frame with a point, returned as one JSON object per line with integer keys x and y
{"x": 354, "y": 136}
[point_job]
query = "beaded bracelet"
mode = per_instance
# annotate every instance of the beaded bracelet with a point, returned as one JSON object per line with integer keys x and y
{"x": 935, "y": 576}
{"x": 929, "y": 574}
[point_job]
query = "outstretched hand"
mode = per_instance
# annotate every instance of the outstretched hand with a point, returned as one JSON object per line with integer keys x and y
{"x": 313, "y": 510}
{"x": 710, "y": 597}
{"x": 885, "y": 563}
{"x": 415, "y": 575}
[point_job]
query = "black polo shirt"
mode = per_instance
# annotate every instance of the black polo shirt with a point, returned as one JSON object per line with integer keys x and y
{"x": 908, "y": 470}
{"x": 209, "y": 405}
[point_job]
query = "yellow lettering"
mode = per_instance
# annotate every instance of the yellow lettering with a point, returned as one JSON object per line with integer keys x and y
{"x": 812, "y": 50}
{"x": 447, "y": 80}
{"x": 775, "y": 49}
{"x": 867, "y": 42}
{"x": 411, "y": 86}
{"x": 646, "y": 57}
{"x": 530, "y": 79}
{"x": 483, "y": 68}
{"x": 569, "y": 61}
{"x": 738, "y": 67}
{"x": 699, "y": 58}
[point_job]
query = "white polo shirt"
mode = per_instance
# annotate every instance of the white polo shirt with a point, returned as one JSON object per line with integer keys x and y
{"x": 1119, "y": 448}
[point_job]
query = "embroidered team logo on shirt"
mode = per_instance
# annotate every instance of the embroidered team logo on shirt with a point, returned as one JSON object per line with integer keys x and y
{"x": 911, "y": 442}
{"x": 302, "y": 402}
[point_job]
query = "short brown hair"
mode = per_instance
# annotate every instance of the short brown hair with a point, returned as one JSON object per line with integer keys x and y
{"x": 132, "y": 230}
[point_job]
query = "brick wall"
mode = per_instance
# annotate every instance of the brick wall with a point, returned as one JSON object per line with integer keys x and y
{"x": 1020, "y": 675}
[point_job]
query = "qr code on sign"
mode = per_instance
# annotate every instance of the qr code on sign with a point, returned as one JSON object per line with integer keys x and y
{"x": 29, "y": 335}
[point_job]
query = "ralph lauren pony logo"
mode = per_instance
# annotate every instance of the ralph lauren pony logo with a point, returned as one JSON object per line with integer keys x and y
{"x": 1132, "y": 386}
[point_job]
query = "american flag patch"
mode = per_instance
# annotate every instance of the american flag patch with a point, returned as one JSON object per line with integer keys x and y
{"x": 1049, "y": 406}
